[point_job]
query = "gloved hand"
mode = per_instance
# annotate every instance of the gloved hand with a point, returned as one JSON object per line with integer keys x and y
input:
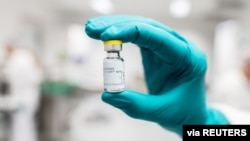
{"x": 174, "y": 71}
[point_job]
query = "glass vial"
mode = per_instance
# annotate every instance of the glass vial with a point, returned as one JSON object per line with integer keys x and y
{"x": 113, "y": 67}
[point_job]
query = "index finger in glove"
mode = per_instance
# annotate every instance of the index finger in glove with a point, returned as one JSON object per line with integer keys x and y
{"x": 95, "y": 26}
{"x": 170, "y": 49}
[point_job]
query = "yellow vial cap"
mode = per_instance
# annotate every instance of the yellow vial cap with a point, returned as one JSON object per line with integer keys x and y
{"x": 112, "y": 42}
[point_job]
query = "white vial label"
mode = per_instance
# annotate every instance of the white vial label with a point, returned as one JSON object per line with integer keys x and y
{"x": 113, "y": 73}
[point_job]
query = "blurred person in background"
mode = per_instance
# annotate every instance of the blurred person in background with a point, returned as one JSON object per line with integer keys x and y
{"x": 231, "y": 81}
{"x": 233, "y": 85}
{"x": 23, "y": 73}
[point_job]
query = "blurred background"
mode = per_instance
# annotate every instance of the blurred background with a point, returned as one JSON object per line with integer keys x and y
{"x": 51, "y": 72}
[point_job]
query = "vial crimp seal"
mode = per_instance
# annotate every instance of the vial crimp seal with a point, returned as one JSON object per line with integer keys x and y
{"x": 113, "y": 67}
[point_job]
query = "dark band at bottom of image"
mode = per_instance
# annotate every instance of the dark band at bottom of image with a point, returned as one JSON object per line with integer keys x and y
{"x": 192, "y": 132}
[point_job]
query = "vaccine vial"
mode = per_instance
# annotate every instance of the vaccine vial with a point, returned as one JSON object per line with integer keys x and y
{"x": 113, "y": 67}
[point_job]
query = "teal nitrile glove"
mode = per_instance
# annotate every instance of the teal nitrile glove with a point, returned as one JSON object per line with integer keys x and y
{"x": 174, "y": 70}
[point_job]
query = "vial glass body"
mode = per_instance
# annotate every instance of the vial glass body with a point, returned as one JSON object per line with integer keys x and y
{"x": 113, "y": 72}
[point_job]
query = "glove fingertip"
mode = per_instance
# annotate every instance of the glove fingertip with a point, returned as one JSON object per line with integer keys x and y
{"x": 91, "y": 33}
{"x": 106, "y": 96}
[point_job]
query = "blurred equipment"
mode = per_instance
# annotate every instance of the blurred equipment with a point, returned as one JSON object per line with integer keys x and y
{"x": 93, "y": 120}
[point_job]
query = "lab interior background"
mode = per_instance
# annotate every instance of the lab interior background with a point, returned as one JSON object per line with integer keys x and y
{"x": 70, "y": 105}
